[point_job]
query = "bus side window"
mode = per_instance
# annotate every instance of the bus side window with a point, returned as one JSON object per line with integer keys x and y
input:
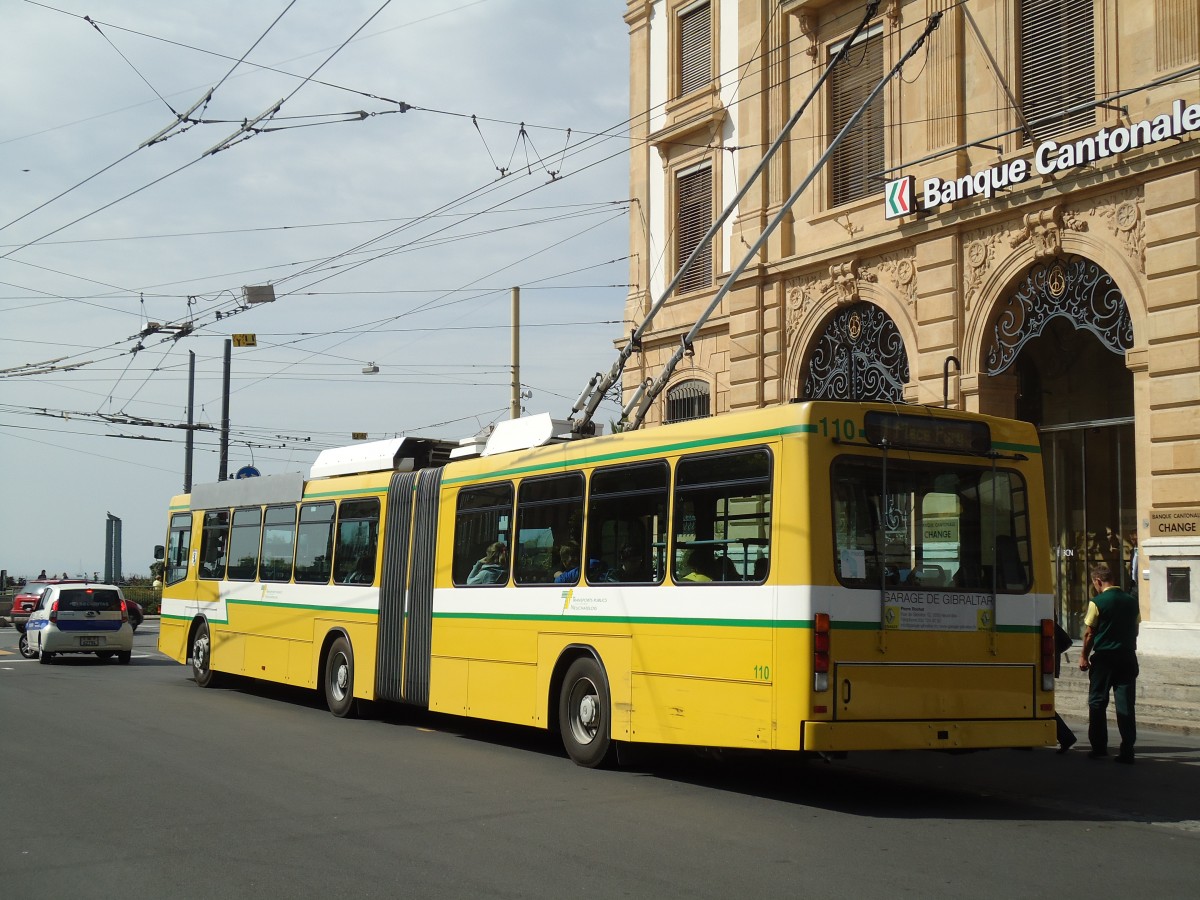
{"x": 243, "y": 544}
{"x": 552, "y": 507}
{"x": 357, "y": 541}
{"x": 627, "y": 515}
{"x": 314, "y": 543}
{"x": 722, "y": 500}
{"x": 483, "y": 517}
{"x": 278, "y": 543}
{"x": 179, "y": 546}
{"x": 213, "y": 540}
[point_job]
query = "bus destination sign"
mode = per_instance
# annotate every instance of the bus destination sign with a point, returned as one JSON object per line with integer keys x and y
{"x": 908, "y": 432}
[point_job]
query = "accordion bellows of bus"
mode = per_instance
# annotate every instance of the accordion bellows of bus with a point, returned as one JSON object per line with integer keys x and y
{"x": 818, "y": 577}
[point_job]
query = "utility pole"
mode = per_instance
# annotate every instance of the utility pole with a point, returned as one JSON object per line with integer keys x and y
{"x": 191, "y": 435}
{"x": 514, "y": 408}
{"x": 224, "y": 473}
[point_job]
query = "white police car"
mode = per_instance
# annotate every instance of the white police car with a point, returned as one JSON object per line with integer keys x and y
{"x": 80, "y": 618}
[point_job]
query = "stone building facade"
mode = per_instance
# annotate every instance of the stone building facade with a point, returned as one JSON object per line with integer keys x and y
{"x": 1012, "y": 227}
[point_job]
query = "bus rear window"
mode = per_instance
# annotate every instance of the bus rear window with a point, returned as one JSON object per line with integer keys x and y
{"x": 929, "y": 526}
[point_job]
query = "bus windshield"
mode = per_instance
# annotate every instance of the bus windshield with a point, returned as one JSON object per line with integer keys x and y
{"x": 929, "y": 526}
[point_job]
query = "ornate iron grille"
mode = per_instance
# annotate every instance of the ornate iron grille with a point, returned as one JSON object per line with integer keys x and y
{"x": 859, "y": 356}
{"x": 1075, "y": 289}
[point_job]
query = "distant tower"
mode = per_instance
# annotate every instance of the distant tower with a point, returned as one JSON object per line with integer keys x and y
{"x": 112, "y": 550}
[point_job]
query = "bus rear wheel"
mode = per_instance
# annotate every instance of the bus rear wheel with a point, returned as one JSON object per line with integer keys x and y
{"x": 584, "y": 714}
{"x": 339, "y": 679}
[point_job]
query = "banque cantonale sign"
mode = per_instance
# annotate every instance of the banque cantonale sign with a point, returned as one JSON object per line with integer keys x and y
{"x": 1048, "y": 158}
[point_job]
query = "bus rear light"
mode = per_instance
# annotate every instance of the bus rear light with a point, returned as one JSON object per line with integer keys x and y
{"x": 821, "y": 652}
{"x": 1048, "y": 654}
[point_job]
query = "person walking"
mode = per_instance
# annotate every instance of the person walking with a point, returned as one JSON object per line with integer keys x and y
{"x": 1109, "y": 656}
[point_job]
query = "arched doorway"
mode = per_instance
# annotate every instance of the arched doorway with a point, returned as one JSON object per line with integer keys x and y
{"x": 859, "y": 355}
{"x": 1064, "y": 331}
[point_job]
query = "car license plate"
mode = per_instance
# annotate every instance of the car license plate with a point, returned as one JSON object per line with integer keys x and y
{"x": 89, "y": 642}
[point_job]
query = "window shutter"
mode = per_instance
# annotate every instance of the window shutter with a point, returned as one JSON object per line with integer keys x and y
{"x": 694, "y": 216}
{"x": 695, "y": 48}
{"x": 1057, "y": 59}
{"x": 857, "y": 163}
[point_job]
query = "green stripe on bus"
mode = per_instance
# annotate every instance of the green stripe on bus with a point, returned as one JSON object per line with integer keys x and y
{"x": 659, "y": 450}
{"x": 378, "y": 491}
{"x": 625, "y": 620}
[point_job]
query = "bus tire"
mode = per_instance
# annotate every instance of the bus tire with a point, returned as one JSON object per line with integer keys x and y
{"x": 339, "y": 679}
{"x": 584, "y": 714}
{"x": 202, "y": 670}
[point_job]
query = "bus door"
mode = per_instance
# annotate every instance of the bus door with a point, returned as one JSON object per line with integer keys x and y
{"x": 406, "y": 589}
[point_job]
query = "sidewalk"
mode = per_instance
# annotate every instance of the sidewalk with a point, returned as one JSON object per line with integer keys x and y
{"x": 1168, "y": 692}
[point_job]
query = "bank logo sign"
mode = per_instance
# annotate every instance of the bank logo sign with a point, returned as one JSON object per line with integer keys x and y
{"x": 1049, "y": 158}
{"x": 899, "y": 197}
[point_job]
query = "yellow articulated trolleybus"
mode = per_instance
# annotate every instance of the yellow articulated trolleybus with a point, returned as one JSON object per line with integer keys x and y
{"x": 820, "y": 576}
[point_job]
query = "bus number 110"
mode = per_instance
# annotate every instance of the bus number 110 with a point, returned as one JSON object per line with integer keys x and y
{"x": 846, "y": 429}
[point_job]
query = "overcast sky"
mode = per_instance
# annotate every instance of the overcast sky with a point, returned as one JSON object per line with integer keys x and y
{"x": 390, "y": 239}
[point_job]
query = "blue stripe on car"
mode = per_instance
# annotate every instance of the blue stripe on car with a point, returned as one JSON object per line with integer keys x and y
{"x": 89, "y": 625}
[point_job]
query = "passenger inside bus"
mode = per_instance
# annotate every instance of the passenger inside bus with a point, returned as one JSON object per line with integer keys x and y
{"x": 701, "y": 565}
{"x": 493, "y": 567}
{"x": 632, "y": 566}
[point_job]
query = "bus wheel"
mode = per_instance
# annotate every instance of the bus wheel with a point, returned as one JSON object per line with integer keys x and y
{"x": 339, "y": 679}
{"x": 202, "y": 671}
{"x": 583, "y": 714}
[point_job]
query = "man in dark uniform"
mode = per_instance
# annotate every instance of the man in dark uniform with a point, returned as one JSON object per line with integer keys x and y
{"x": 1110, "y": 656}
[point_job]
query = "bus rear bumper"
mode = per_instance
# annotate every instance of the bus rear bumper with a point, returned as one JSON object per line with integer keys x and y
{"x": 831, "y": 737}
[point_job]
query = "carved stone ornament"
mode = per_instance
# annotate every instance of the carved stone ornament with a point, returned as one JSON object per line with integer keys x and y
{"x": 1123, "y": 213}
{"x": 802, "y": 295}
{"x": 845, "y": 279}
{"x": 901, "y": 271}
{"x": 1043, "y": 229}
{"x": 979, "y": 255}
{"x": 808, "y": 27}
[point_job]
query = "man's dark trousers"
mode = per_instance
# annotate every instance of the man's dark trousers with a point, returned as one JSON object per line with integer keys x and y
{"x": 1112, "y": 671}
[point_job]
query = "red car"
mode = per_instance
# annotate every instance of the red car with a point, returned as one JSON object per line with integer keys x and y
{"x": 27, "y": 597}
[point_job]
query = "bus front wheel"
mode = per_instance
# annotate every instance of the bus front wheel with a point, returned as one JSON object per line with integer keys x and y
{"x": 202, "y": 671}
{"x": 339, "y": 679}
{"x": 583, "y": 714}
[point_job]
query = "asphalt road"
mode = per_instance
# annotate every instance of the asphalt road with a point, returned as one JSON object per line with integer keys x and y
{"x": 129, "y": 781}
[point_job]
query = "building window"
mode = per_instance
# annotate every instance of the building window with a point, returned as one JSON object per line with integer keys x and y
{"x": 695, "y": 47}
{"x": 693, "y": 217}
{"x": 1057, "y": 64}
{"x": 688, "y": 400}
{"x": 857, "y": 164}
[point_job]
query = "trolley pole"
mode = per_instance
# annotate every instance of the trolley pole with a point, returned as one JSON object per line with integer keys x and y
{"x": 514, "y": 407}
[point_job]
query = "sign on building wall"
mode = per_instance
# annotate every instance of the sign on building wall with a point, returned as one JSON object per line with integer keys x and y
{"x": 1175, "y": 523}
{"x": 1050, "y": 157}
